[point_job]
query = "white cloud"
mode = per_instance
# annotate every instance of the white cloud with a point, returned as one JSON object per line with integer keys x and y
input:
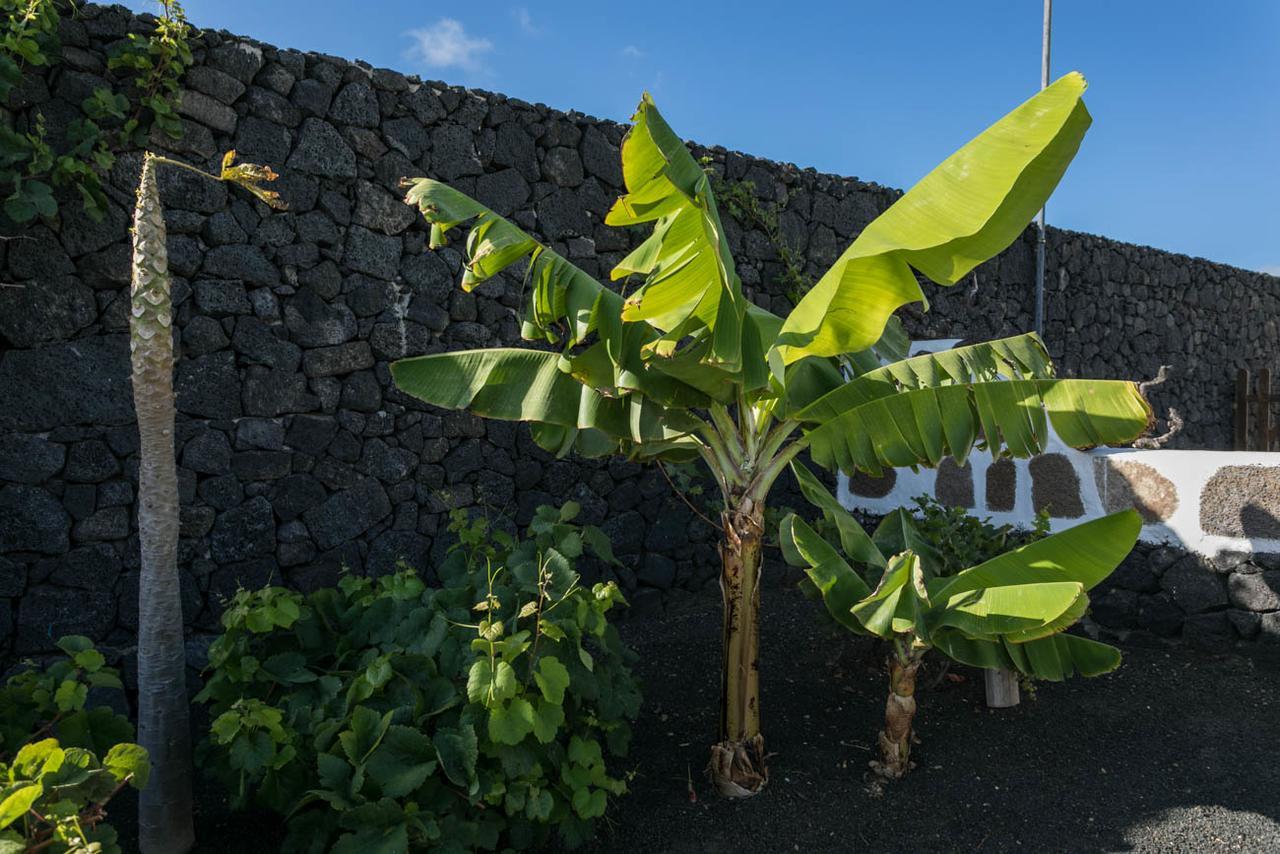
{"x": 1273, "y": 270}
{"x": 446, "y": 44}
{"x": 525, "y": 20}
{"x": 632, "y": 51}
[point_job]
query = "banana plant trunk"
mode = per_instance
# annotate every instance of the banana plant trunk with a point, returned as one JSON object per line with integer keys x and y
{"x": 899, "y": 712}
{"x": 738, "y": 761}
{"x": 165, "y": 805}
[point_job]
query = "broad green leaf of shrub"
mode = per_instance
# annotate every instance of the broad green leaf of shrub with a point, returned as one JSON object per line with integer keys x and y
{"x": 511, "y": 722}
{"x": 404, "y": 760}
{"x": 589, "y": 803}
{"x": 552, "y": 679}
{"x": 367, "y": 729}
{"x": 128, "y": 762}
{"x": 457, "y": 750}
{"x": 17, "y": 800}
{"x": 547, "y": 720}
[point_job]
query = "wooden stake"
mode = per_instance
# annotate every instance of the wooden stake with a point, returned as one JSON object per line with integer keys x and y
{"x": 1002, "y": 689}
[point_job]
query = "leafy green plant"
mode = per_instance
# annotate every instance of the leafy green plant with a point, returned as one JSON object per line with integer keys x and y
{"x": 53, "y": 786}
{"x": 385, "y": 715}
{"x": 1010, "y": 612}
{"x": 684, "y": 368}
{"x": 744, "y": 205}
{"x": 148, "y": 69}
{"x": 961, "y": 540}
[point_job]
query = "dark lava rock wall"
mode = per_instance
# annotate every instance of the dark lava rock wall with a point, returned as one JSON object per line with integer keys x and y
{"x": 297, "y": 456}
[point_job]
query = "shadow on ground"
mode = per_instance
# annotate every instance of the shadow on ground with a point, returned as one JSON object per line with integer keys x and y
{"x": 1176, "y": 751}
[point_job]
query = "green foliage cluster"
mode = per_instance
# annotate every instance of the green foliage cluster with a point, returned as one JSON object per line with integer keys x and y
{"x": 744, "y": 205}
{"x": 383, "y": 715}
{"x": 961, "y": 540}
{"x": 149, "y": 69}
{"x": 53, "y": 789}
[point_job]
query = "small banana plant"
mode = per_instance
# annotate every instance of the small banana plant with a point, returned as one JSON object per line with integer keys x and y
{"x": 1009, "y": 612}
{"x": 165, "y": 807}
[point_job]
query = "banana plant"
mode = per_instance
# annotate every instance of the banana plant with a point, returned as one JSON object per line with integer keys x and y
{"x": 682, "y": 366}
{"x": 164, "y": 807}
{"x": 1008, "y": 612}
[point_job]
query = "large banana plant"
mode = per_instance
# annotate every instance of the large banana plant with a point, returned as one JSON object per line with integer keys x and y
{"x": 1008, "y": 612}
{"x": 682, "y": 366}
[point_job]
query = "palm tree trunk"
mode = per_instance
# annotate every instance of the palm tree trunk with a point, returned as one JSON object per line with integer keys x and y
{"x": 164, "y": 810}
{"x": 899, "y": 711}
{"x": 738, "y": 761}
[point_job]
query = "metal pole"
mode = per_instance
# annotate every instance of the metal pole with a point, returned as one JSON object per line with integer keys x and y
{"x": 1044, "y": 83}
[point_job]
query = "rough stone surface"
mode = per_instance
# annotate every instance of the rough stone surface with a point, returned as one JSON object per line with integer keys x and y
{"x": 298, "y": 455}
{"x": 1055, "y": 487}
{"x": 1002, "y": 485}
{"x": 31, "y": 520}
{"x": 1193, "y": 587}
{"x": 873, "y": 487}
{"x": 954, "y": 487}
{"x": 1125, "y": 483}
{"x": 26, "y": 458}
{"x": 348, "y": 513}
{"x": 1242, "y": 501}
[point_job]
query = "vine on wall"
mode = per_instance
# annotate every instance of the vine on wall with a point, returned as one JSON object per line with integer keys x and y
{"x": 33, "y": 164}
{"x": 745, "y": 206}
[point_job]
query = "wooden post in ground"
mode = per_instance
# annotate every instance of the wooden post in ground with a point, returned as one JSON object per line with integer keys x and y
{"x": 1263, "y": 400}
{"x": 1002, "y": 689}
{"x": 1242, "y": 411}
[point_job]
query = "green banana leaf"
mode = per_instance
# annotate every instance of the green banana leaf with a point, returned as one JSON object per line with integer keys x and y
{"x": 921, "y": 426}
{"x": 529, "y": 385}
{"x": 965, "y": 211}
{"x": 1025, "y": 610}
{"x": 565, "y": 304}
{"x": 853, "y": 539}
{"x": 1020, "y": 357}
{"x": 1084, "y": 553}
{"x": 690, "y": 280}
{"x": 1053, "y": 658}
{"x": 837, "y": 583}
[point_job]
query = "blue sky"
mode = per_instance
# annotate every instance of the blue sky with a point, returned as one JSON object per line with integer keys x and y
{"x": 1185, "y": 95}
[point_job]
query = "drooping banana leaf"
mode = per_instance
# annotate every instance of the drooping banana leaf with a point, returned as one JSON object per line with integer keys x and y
{"x": 1053, "y": 658}
{"x": 529, "y": 385}
{"x": 855, "y": 541}
{"x": 690, "y": 281}
{"x": 565, "y": 305}
{"x": 1027, "y": 611}
{"x": 965, "y": 211}
{"x": 897, "y": 532}
{"x": 1084, "y": 554}
{"x": 921, "y": 426}
{"x": 837, "y": 583}
{"x": 1063, "y": 655}
{"x": 1019, "y": 357}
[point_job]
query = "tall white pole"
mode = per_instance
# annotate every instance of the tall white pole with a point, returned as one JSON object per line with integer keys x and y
{"x": 1002, "y": 685}
{"x": 1044, "y": 83}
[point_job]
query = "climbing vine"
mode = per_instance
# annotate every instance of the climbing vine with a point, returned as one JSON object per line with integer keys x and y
{"x": 34, "y": 163}
{"x": 740, "y": 199}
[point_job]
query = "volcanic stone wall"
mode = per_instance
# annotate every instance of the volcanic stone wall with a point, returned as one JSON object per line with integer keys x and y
{"x": 297, "y": 455}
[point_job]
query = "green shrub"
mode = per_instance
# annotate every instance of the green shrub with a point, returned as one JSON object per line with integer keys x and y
{"x": 962, "y": 540}
{"x": 53, "y": 789}
{"x": 387, "y": 715}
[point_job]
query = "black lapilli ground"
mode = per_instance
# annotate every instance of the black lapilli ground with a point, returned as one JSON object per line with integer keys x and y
{"x": 1177, "y": 751}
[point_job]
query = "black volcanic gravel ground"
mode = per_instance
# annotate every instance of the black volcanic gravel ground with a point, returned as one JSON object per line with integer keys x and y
{"x": 1176, "y": 751}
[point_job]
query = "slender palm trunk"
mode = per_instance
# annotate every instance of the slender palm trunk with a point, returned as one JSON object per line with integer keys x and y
{"x": 899, "y": 711}
{"x": 164, "y": 811}
{"x": 738, "y": 760}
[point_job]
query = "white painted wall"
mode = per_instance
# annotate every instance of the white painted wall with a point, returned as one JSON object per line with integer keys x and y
{"x": 1188, "y": 470}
